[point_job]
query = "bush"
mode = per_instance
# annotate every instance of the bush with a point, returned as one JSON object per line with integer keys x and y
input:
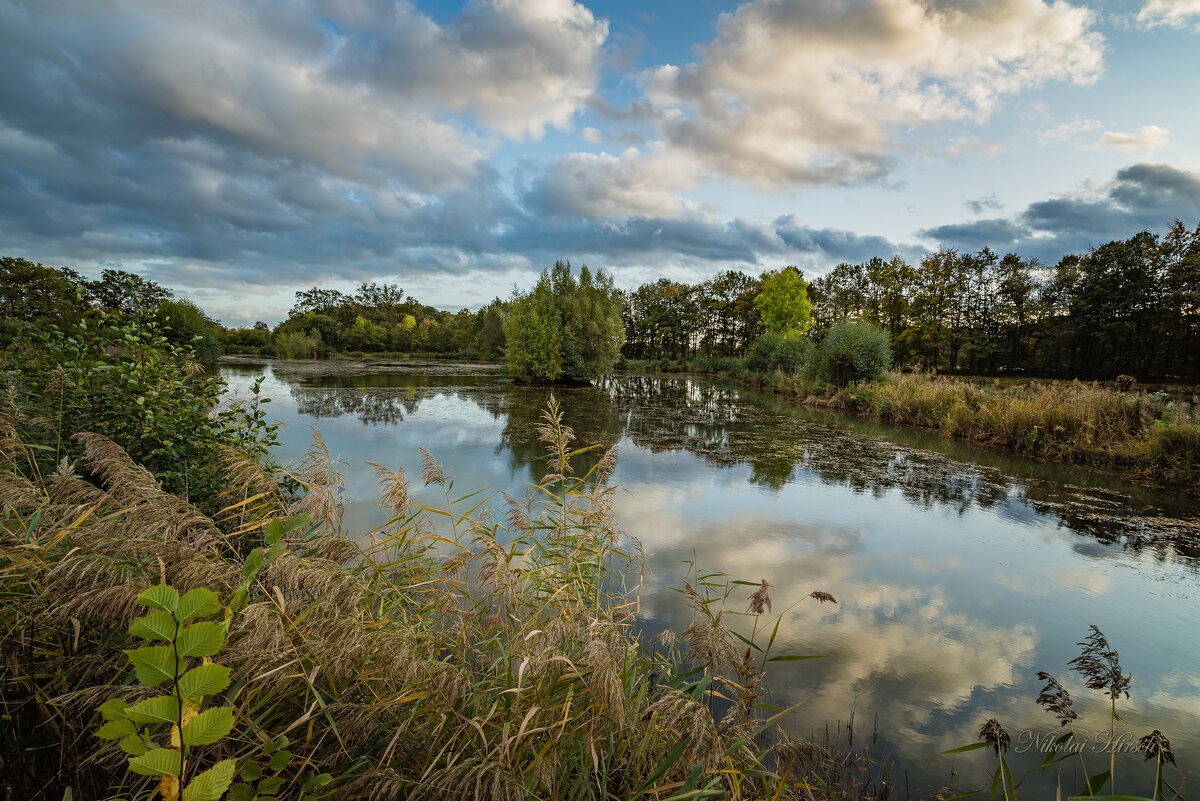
{"x": 852, "y": 352}
{"x": 185, "y": 324}
{"x": 294, "y": 345}
{"x": 125, "y": 381}
{"x": 788, "y": 353}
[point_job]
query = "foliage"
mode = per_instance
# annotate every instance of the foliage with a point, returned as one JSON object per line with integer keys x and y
{"x": 178, "y": 665}
{"x": 126, "y": 381}
{"x": 295, "y": 345}
{"x": 380, "y": 318}
{"x": 564, "y": 329}
{"x": 480, "y": 659}
{"x": 1125, "y": 307}
{"x": 852, "y": 351}
{"x": 184, "y": 324}
{"x": 1147, "y": 435}
{"x": 671, "y": 320}
{"x": 254, "y": 340}
{"x": 787, "y": 353}
{"x": 783, "y": 302}
{"x": 30, "y": 292}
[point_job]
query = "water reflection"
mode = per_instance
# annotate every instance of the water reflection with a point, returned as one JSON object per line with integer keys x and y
{"x": 959, "y": 572}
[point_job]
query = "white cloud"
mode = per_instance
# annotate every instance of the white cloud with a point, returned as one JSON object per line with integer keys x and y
{"x": 362, "y": 89}
{"x": 1172, "y": 13}
{"x": 800, "y": 91}
{"x": 599, "y": 185}
{"x": 518, "y": 66}
{"x": 1069, "y": 130}
{"x": 1147, "y": 137}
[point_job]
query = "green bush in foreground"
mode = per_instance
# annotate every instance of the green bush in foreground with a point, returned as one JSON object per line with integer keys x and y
{"x": 852, "y": 351}
{"x": 109, "y": 374}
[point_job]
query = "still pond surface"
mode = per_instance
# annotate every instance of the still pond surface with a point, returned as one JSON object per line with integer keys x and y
{"x": 959, "y": 572}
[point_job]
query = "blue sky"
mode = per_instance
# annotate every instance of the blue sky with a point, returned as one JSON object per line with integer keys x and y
{"x": 239, "y": 150}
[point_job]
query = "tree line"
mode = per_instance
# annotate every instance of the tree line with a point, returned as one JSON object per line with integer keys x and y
{"x": 1128, "y": 306}
{"x": 1125, "y": 307}
{"x": 374, "y": 318}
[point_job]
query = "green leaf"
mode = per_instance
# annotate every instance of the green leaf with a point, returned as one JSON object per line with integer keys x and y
{"x": 273, "y": 532}
{"x": 270, "y": 786}
{"x": 209, "y": 726}
{"x": 316, "y": 782}
{"x": 251, "y": 771}
{"x": 113, "y": 709}
{"x": 253, "y": 563}
{"x": 154, "y": 664}
{"x": 134, "y": 745}
{"x": 160, "y": 597}
{"x": 1095, "y": 784}
{"x": 240, "y": 792}
{"x": 156, "y": 762}
{"x": 163, "y": 709}
{"x": 199, "y": 602}
{"x": 747, "y": 640}
{"x": 280, "y": 760}
{"x": 212, "y": 783}
{"x": 116, "y": 729}
{"x": 665, "y": 765}
{"x": 200, "y": 639}
{"x": 964, "y": 748}
{"x": 203, "y": 681}
{"x": 158, "y": 625}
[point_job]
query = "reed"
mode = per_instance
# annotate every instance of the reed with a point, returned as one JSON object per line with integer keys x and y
{"x": 501, "y": 661}
{"x": 1084, "y": 423}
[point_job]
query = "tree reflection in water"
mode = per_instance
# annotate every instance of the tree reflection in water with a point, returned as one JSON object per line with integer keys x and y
{"x": 954, "y": 587}
{"x": 726, "y": 425}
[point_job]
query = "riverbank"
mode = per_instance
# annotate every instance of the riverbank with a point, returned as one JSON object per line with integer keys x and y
{"x": 1149, "y": 435}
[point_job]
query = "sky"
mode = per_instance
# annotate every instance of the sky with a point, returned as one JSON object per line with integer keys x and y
{"x": 241, "y": 150}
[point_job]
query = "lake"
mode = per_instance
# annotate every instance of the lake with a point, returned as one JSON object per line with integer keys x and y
{"x": 959, "y": 572}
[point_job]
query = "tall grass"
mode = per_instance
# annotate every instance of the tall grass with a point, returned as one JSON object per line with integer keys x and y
{"x": 497, "y": 659}
{"x": 1147, "y": 434}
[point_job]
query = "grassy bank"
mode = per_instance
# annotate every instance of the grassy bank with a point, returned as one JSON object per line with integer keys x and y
{"x": 1145, "y": 434}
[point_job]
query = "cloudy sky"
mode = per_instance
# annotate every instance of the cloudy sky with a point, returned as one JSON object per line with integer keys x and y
{"x": 238, "y": 150}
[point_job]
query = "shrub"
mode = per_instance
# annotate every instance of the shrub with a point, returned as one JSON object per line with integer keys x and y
{"x": 294, "y": 345}
{"x": 852, "y": 352}
{"x": 788, "y": 353}
{"x": 123, "y": 380}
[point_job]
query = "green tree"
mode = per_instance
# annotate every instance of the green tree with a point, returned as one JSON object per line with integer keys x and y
{"x": 852, "y": 352}
{"x": 126, "y": 292}
{"x": 29, "y": 292}
{"x": 565, "y": 329}
{"x": 533, "y": 333}
{"x": 788, "y": 353}
{"x": 365, "y": 336}
{"x": 783, "y": 302}
{"x": 184, "y": 324}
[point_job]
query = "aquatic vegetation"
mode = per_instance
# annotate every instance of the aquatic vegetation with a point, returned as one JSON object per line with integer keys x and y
{"x": 501, "y": 661}
{"x": 1078, "y": 422}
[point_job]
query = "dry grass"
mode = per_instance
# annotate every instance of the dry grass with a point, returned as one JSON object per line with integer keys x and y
{"x": 1145, "y": 434}
{"x": 502, "y": 663}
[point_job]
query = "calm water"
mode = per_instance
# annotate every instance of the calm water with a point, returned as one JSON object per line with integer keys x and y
{"x": 959, "y": 572}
